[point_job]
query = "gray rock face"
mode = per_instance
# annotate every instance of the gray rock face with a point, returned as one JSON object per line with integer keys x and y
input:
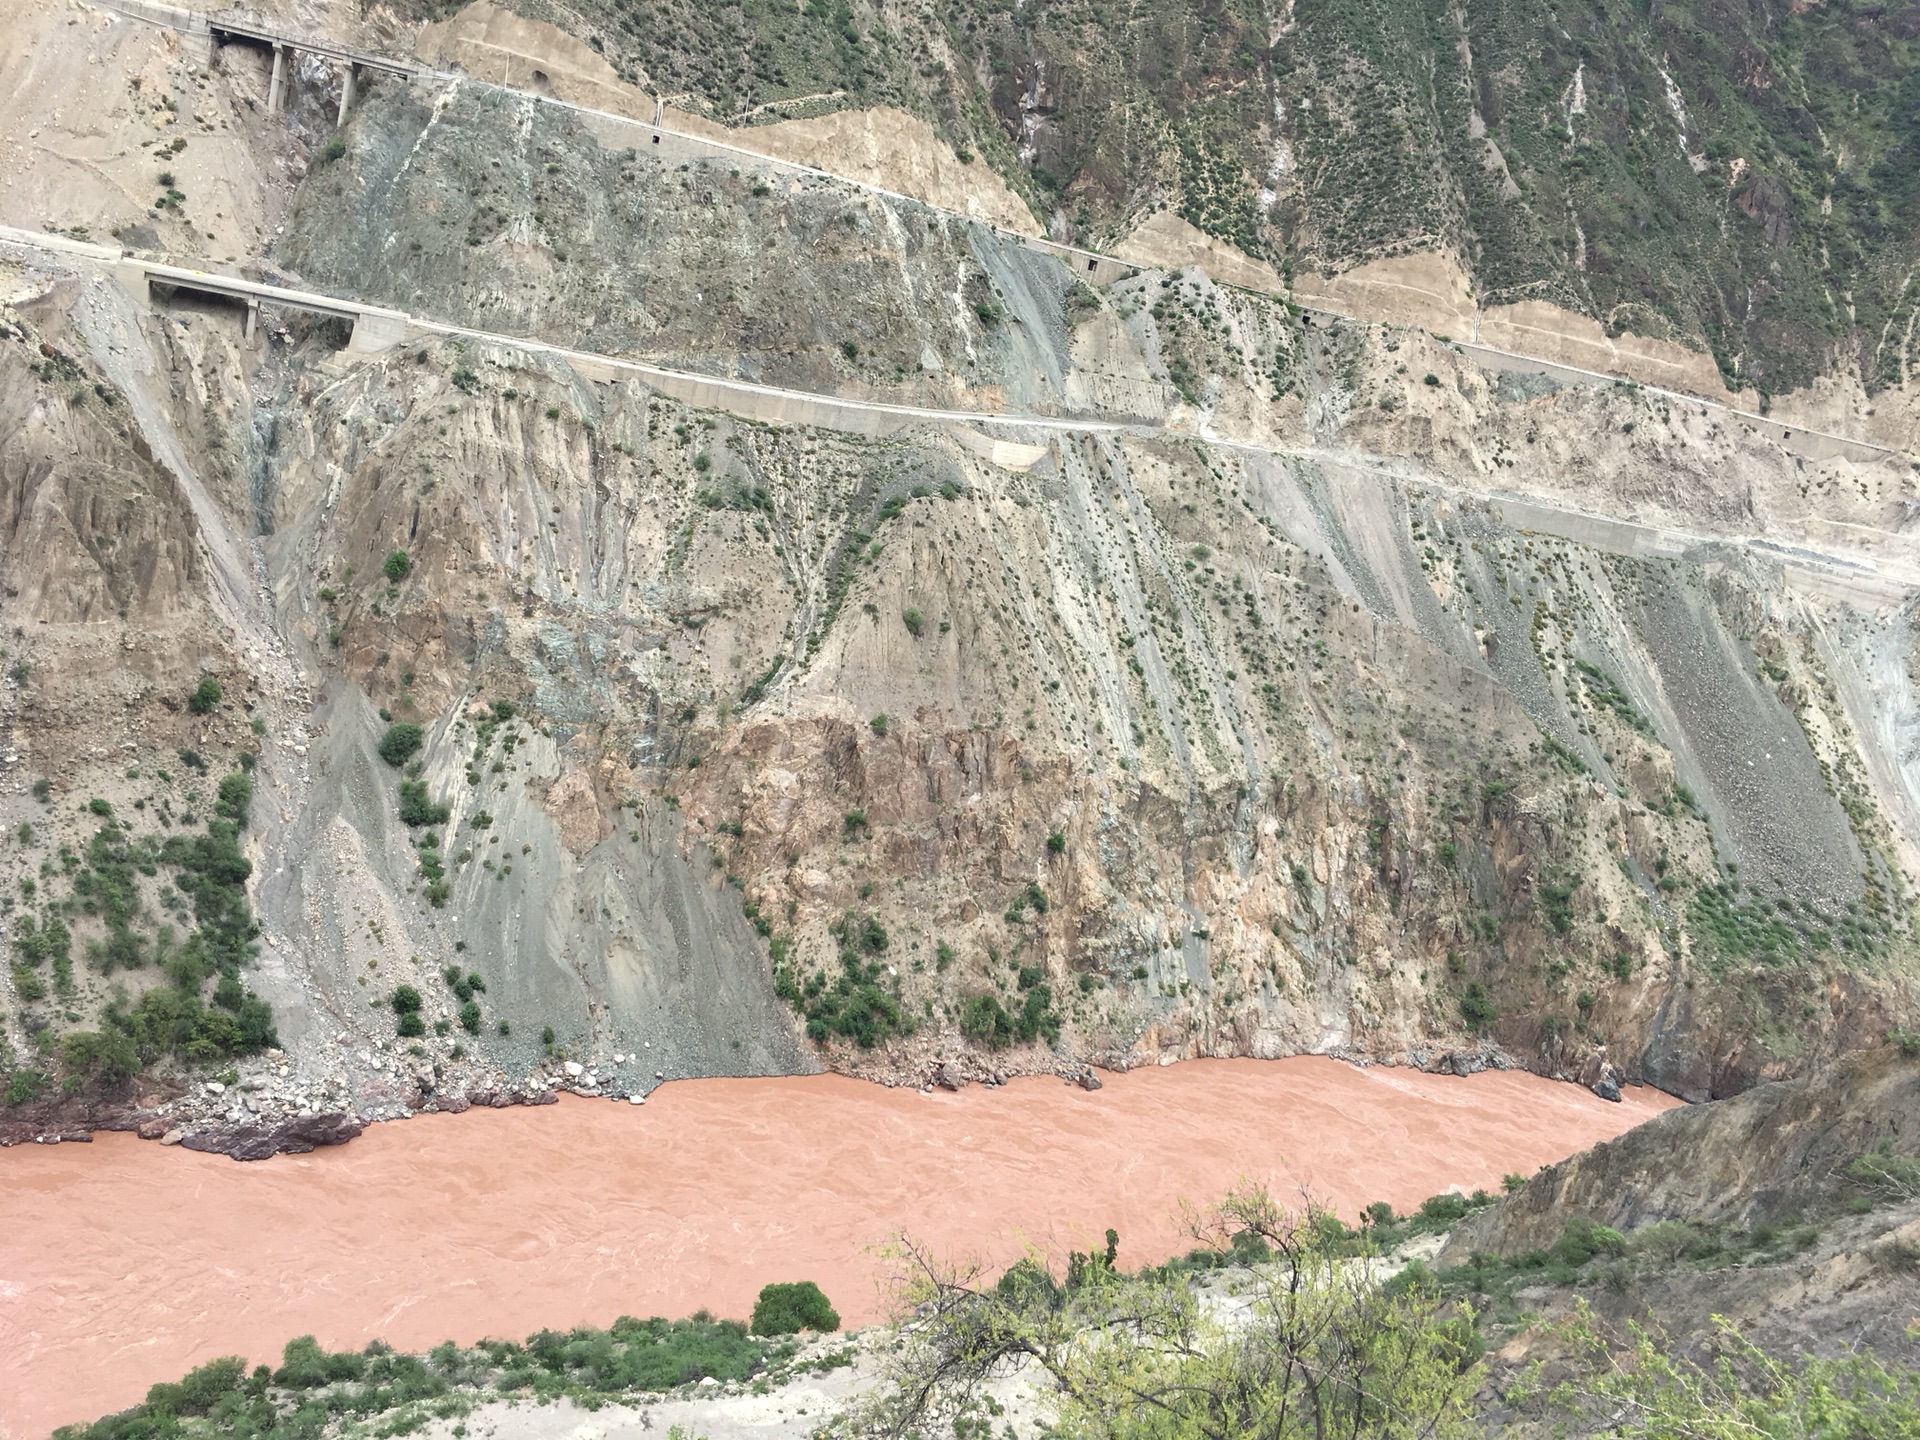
{"x": 295, "y": 1136}
{"x": 1774, "y": 1150}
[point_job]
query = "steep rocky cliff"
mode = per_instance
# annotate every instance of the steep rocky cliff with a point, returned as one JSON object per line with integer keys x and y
{"x": 1283, "y": 684}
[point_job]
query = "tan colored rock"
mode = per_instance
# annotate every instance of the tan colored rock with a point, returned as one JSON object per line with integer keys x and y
{"x": 503, "y": 48}
{"x": 1428, "y": 290}
{"x": 896, "y": 151}
{"x": 1165, "y": 241}
{"x": 575, "y": 808}
{"x": 1551, "y": 332}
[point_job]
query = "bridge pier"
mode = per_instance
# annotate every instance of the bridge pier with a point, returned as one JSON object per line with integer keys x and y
{"x": 346, "y": 92}
{"x": 277, "y": 91}
{"x": 375, "y": 329}
{"x": 131, "y": 276}
{"x": 253, "y": 316}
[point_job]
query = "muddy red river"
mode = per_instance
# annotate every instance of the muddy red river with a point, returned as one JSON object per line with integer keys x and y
{"x": 122, "y": 1263}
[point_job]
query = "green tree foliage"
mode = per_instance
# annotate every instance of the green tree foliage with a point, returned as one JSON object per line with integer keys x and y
{"x": 406, "y": 1008}
{"x": 1640, "y": 1390}
{"x": 1321, "y": 1353}
{"x": 1476, "y": 1008}
{"x": 205, "y": 695}
{"x": 790, "y": 1308}
{"x": 418, "y": 808}
{"x": 397, "y": 566}
{"x": 401, "y": 742}
{"x": 862, "y": 1003}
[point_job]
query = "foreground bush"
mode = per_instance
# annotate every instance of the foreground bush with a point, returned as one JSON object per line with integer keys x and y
{"x": 789, "y": 1309}
{"x": 1321, "y": 1353}
{"x": 314, "y": 1391}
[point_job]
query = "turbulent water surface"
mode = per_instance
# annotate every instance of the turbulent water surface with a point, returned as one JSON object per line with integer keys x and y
{"x": 122, "y": 1263}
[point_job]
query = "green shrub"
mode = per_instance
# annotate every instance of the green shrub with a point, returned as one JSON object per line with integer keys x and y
{"x": 470, "y": 1017}
{"x": 1056, "y": 843}
{"x": 333, "y": 149}
{"x": 789, "y": 1309}
{"x": 396, "y": 567}
{"x": 1476, "y": 1008}
{"x": 206, "y": 695}
{"x": 1581, "y": 1240}
{"x": 401, "y": 742}
{"x": 235, "y": 795}
{"x": 914, "y": 621}
{"x": 878, "y": 724}
{"x": 1889, "y": 1176}
{"x": 417, "y": 808}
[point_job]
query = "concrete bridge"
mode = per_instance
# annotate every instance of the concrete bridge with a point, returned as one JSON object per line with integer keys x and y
{"x": 374, "y": 326}
{"x": 230, "y": 29}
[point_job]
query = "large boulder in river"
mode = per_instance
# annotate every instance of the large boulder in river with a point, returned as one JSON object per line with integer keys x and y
{"x": 296, "y": 1136}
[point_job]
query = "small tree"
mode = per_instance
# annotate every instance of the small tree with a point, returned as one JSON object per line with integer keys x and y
{"x": 397, "y": 566}
{"x": 406, "y": 1007}
{"x": 789, "y": 1309}
{"x": 1477, "y": 1008}
{"x": 205, "y": 695}
{"x": 400, "y": 743}
{"x": 914, "y": 621}
{"x": 1641, "y": 1390}
{"x": 1321, "y": 1352}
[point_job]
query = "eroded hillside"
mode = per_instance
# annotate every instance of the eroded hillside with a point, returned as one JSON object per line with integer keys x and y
{"x": 1279, "y": 684}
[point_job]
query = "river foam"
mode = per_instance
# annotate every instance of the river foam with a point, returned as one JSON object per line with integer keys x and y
{"x": 122, "y": 1263}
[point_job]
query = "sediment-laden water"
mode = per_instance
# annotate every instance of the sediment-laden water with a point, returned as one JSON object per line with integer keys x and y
{"x": 122, "y": 1263}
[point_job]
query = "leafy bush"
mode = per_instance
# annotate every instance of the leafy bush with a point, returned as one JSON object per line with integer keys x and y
{"x": 1476, "y": 1008}
{"x": 1582, "y": 1239}
{"x": 235, "y": 795}
{"x": 401, "y": 742}
{"x": 206, "y": 695}
{"x": 985, "y": 1021}
{"x": 1881, "y": 1172}
{"x": 914, "y": 621}
{"x": 789, "y": 1309}
{"x": 396, "y": 567}
{"x": 417, "y": 808}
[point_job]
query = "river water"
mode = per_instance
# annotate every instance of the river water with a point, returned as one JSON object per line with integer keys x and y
{"x": 123, "y": 1263}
